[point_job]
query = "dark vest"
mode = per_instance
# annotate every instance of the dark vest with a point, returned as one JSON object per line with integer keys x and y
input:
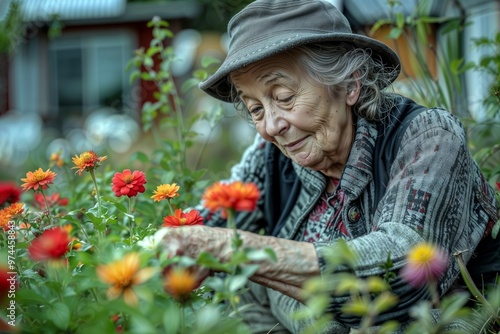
{"x": 282, "y": 186}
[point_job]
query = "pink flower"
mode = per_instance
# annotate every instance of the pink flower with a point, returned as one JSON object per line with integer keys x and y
{"x": 426, "y": 263}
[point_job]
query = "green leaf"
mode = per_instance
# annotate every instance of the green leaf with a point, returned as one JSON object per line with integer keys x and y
{"x": 59, "y": 314}
{"x": 496, "y": 228}
{"x": 115, "y": 202}
{"x": 388, "y": 327}
{"x": 209, "y": 60}
{"x": 395, "y": 33}
{"x": 357, "y": 307}
{"x": 261, "y": 255}
{"x": 134, "y": 76}
{"x": 140, "y": 156}
{"x": 189, "y": 84}
{"x": 208, "y": 260}
{"x": 385, "y": 301}
{"x": 237, "y": 282}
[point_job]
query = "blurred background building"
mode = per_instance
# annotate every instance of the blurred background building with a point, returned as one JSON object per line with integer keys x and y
{"x": 64, "y": 84}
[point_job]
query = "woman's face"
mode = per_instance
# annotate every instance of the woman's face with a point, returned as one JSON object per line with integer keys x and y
{"x": 296, "y": 113}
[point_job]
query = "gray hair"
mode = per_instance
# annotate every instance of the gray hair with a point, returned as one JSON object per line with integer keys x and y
{"x": 338, "y": 66}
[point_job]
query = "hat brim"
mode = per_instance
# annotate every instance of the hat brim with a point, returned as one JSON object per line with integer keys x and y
{"x": 219, "y": 87}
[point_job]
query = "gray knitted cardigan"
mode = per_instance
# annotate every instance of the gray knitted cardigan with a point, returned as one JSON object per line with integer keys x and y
{"x": 436, "y": 193}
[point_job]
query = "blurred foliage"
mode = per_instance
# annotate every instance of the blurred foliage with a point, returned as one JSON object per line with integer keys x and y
{"x": 11, "y": 28}
{"x": 448, "y": 89}
{"x": 215, "y": 13}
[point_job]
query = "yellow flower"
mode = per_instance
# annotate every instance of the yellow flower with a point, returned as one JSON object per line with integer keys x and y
{"x": 179, "y": 282}
{"x": 87, "y": 161}
{"x": 56, "y": 159}
{"x": 123, "y": 275}
{"x": 426, "y": 263}
{"x": 165, "y": 191}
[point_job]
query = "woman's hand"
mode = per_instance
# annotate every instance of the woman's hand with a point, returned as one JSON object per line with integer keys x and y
{"x": 297, "y": 261}
{"x": 192, "y": 240}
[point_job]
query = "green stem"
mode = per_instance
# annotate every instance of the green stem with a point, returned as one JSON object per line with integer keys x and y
{"x": 171, "y": 210}
{"x": 98, "y": 196}
{"x": 434, "y": 294}
{"x": 130, "y": 204}
{"x": 47, "y": 207}
{"x": 471, "y": 285}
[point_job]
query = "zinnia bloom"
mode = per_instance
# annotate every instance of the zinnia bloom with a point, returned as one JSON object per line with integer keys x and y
{"x": 180, "y": 218}
{"x": 165, "y": 191}
{"x": 56, "y": 159}
{"x": 6, "y": 214}
{"x": 51, "y": 245}
{"x": 9, "y": 193}
{"x": 179, "y": 282}
{"x": 123, "y": 275}
{"x": 128, "y": 183}
{"x": 6, "y": 281}
{"x": 426, "y": 263}
{"x": 52, "y": 199}
{"x": 236, "y": 196}
{"x": 87, "y": 161}
{"x": 38, "y": 179}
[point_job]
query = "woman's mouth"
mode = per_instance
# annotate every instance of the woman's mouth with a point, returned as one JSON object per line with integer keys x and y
{"x": 295, "y": 144}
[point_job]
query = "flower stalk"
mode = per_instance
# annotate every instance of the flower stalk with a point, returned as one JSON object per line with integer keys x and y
{"x": 98, "y": 196}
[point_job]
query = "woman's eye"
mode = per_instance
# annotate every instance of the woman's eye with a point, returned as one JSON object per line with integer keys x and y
{"x": 285, "y": 99}
{"x": 255, "y": 110}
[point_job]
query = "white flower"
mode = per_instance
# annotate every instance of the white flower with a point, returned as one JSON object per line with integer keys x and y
{"x": 152, "y": 242}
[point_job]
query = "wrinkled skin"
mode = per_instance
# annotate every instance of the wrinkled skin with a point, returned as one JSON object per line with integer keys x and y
{"x": 297, "y": 261}
{"x": 311, "y": 126}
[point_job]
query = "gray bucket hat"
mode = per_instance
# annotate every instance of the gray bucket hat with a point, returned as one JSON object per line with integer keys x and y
{"x": 267, "y": 27}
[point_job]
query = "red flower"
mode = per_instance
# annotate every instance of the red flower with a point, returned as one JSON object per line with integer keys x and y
{"x": 181, "y": 219}
{"x": 7, "y": 280}
{"x": 9, "y": 193}
{"x": 53, "y": 199}
{"x": 498, "y": 186}
{"x": 128, "y": 184}
{"x": 236, "y": 196}
{"x": 52, "y": 244}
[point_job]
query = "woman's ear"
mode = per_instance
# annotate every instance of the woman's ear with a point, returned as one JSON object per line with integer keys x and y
{"x": 353, "y": 91}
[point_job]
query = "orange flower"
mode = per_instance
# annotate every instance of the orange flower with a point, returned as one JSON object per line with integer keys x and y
{"x": 236, "y": 196}
{"x": 165, "y": 191}
{"x": 123, "y": 275}
{"x": 179, "y": 282}
{"x": 56, "y": 159}
{"x": 52, "y": 244}
{"x": 180, "y": 218}
{"x": 38, "y": 179}
{"x": 128, "y": 183}
{"x": 10, "y": 212}
{"x": 4, "y": 220}
{"x": 87, "y": 161}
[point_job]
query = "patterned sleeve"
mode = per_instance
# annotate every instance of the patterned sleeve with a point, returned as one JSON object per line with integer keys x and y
{"x": 436, "y": 193}
{"x": 249, "y": 169}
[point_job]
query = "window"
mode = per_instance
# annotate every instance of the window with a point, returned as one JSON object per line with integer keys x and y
{"x": 87, "y": 72}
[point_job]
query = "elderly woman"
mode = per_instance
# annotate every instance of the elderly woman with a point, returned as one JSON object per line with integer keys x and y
{"x": 337, "y": 157}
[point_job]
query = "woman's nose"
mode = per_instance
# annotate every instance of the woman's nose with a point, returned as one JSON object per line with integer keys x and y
{"x": 276, "y": 124}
